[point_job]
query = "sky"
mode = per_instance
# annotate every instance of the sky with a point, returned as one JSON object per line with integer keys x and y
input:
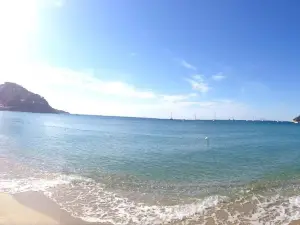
{"x": 224, "y": 59}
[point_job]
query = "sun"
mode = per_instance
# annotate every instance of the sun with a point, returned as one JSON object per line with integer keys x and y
{"x": 18, "y": 20}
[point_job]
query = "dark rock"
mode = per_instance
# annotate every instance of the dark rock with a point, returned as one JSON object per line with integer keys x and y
{"x": 14, "y": 97}
{"x": 297, "y": 119}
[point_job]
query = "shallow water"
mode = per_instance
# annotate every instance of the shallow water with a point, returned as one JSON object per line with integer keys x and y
{"x": 148, "y": 171}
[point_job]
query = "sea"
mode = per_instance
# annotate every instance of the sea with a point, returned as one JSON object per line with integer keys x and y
{"x": 152, "y": 171}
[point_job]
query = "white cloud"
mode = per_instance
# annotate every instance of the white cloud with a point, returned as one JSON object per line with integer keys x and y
{"x": 218, "y": 77}
{"x": 187, "y": 110}
{"x": 118, "y": 88}
{"x": 198, "y": 84}
{"x": 178, "y": 98}
{"x": 82, "y": 92}
{"x": 187, "y": 65}
{"x": 36, "y": 77}
{"x": 161, "y": 109}
{"x": 198, "y": 77}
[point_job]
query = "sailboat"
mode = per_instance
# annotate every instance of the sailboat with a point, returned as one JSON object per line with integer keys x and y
{"x": 214, "y": 116}
{"x": 171, "y": 117}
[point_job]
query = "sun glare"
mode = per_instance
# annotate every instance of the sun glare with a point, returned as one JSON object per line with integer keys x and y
{"x": 17, "y": 22}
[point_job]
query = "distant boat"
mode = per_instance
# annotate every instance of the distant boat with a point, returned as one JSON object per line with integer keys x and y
{"x": 171, "y": 117}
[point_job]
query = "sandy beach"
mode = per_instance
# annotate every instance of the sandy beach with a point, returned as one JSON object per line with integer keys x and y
{"x": 13, "y": 212}
{"x": 33, "y": 208}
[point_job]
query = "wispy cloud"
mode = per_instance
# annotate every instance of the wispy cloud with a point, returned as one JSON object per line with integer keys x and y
{"x": 83, "y": 92}
{"x": 203, "y": 109}
{"x": 54, "y": 77}
{"x": 178, "y": 98}
{"x": 198, "y": 84}
{"x": 218, "y": 77}
{"x": 119, "y": 89}
{"x": 187, "y": 65}
{"x": 73, "y": 84}
{"x": 198, "y": 77}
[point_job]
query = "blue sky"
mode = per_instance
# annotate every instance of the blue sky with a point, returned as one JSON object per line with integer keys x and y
{"x": 149, "y": 58}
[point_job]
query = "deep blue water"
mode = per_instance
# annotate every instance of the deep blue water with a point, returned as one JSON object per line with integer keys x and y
{"x": 126, "y": 154}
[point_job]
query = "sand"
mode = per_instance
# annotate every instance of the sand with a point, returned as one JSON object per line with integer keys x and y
{"x": 12, "y": 212}
{"x": 33, "y": 208}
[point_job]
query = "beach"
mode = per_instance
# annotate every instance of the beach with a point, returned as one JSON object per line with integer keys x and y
{"x": 131, "y": 171}
{"x": 30, "y": 208}
{"x": 149, "y": 112}
{"x": 13, "y": 212}
{"x": 34, "y": 208}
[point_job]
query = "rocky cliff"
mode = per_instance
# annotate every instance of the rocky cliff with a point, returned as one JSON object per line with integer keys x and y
{"x": 14, "y": 97}
{"x": 297, "y": 119}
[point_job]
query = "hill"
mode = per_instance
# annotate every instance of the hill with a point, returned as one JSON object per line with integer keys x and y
{"x": 14, "y": 97}
{"x": 297, "y": 119}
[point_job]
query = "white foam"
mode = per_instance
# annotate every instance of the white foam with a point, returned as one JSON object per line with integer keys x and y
{"x": 94, "y": 204}
{"x": 13, "y": 186}
{"x": 272, "y": 210}
{"x": 127, "y": 212}
{"x": 90, "y": 201}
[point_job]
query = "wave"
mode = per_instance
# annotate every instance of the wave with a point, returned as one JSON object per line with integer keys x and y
{"x": 92, "y": 202}
{"x": 128, "y": 212}
{"x": 13, "y": 186}
{"x": 86, "y": 199}
{"x": 276, "y": 210}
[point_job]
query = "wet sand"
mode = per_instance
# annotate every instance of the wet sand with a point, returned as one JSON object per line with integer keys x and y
{"x": 296, "y": 222}
{"x": 12, "y": 212}
{"x": 29, "y": 208}
{"x": 222, "y": 216}
{"x": 34, "y": 208}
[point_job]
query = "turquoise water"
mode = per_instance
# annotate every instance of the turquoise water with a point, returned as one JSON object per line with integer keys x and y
{"x": 122, "y": 167}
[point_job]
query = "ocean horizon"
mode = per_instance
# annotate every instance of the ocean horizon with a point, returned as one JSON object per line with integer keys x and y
{"x": 176, "y": 119}
{"x": 126, "y": 170}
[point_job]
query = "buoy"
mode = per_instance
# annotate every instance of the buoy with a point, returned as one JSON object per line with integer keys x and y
{"x": 207, "y": 141}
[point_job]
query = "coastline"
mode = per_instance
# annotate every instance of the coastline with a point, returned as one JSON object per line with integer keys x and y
{"x": 39, "y": 177}
{"x": 34, "y": 208}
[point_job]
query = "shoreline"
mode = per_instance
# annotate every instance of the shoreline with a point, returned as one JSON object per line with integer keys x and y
{"x": 32, "y": 207}
{"x": 35, "y": 208}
